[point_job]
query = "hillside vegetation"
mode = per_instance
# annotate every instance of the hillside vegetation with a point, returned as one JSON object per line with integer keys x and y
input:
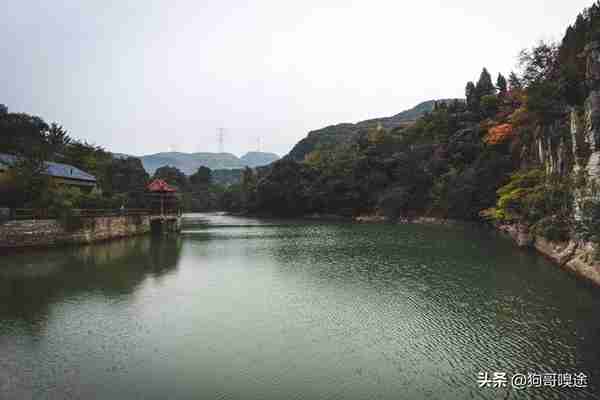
{"x": 121, "y": 180}
{"x": 329, "y": 137}
{"x": 506, "y": 153}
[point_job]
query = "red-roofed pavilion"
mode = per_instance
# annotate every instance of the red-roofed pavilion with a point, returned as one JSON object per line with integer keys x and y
{"x": 165, "y": 191}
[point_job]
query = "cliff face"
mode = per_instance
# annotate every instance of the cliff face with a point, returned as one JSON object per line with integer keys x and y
{"x": 572, "y": 145}
{"x": 551, "y": 149}
{"x": 569, "y": 147}
{"x": 589, "y": 132}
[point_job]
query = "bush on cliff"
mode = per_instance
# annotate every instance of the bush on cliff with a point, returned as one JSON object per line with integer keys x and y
{"x": 542, "y": 202}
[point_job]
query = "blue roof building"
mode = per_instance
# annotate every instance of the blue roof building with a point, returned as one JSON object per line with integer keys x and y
{"x": 61, "y": 173}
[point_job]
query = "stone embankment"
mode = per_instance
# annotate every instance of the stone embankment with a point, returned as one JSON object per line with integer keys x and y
{"x": 51, "y": 232}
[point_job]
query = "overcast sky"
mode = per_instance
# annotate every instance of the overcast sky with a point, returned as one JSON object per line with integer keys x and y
{"x": 147, "y": 76}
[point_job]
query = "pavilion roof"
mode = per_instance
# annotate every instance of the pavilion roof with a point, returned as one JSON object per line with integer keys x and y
{"x": 160, "y": 186}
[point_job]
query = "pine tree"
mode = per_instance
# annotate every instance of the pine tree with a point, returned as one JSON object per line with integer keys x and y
{"x": 514, "y": 83}
{"x": 484, "y": 85}
{"x": 471, "y": 95}
{"x": 501, "y": 84}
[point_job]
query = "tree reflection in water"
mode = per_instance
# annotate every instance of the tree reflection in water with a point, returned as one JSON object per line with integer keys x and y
{"x": 31, "y": 282}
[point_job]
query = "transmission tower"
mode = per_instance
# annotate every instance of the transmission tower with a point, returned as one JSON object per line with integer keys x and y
{"x": 221, "y": 139}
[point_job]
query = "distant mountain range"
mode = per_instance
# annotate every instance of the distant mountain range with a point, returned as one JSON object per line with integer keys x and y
{"x": 189, "y": 163}
{"x": 332, "y": 135}
{"x": 342, "y": 133}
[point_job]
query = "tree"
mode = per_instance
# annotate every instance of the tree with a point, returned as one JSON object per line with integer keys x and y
{"x": 315, "y": 158}
{"x": 544, "y": 102}
{"x": 546, "y": 90}
{"x": 489, "y": 105}
{"x": 24, "y": 135}
{"x": 543, "y": 202}
{"x": 471, "y": 95}
{"x": 284, "y": 190}
{"x": 248, "y": 186}
{"x": 501, "y": 85}
{"x": 203, "y": 176}
{"x": 173, "y": 177}
{"x": 57, "y": 138}
{"x": 248, "y": 177}
{"x": 86, "y": 156}
{"x": 128, "y": 177}
{"x": 484, "y": 85}
{"x": 539, "y": 63}
{"x": 514, "y": 83}
{"x": 30, "y": 182}
{"x": 376, "y": 135}
{"x": 3, "y": 109}
{"x": 500, "y": 134}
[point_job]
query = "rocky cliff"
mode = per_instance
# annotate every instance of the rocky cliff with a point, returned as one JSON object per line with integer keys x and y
{"x": 572, "y": 145}
{"x": 569, "y": 147}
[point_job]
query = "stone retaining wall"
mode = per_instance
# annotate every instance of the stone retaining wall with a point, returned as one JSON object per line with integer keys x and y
{"x": 49, "y": 233}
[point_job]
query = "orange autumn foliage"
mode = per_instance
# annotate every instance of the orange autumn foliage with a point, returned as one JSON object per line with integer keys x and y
{"x": 500, "y": 134}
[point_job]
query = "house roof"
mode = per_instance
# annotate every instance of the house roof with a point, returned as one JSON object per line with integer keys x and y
{"x": 53, "y": 169}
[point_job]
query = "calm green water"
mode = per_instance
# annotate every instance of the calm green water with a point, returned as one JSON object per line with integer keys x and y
{"x": 248, "y": 309}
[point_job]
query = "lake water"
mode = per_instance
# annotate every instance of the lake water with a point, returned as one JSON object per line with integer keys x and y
{"x": 239, "y": 308}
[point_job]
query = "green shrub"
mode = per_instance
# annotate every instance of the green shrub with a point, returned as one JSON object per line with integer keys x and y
{"x": 587, "y": 227}
{"x": 63, "y": 200}
{"x": 395, "y": 202}
{"x": 543, "y": 202}
{"x": 489, "y": 105}
{"x": 554, "y": 227}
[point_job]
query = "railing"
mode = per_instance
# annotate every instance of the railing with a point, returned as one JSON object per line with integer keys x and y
{"x": 32, "y": 213}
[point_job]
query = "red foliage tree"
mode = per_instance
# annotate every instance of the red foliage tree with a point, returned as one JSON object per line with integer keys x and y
{"x": 500, "y": 134}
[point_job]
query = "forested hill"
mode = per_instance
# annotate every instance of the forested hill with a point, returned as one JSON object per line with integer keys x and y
{"x": 521, "y": 150}
{"x": 334, "y": 135}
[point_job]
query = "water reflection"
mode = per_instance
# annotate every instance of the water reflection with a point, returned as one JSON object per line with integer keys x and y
{"x": 30, "y": 283}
